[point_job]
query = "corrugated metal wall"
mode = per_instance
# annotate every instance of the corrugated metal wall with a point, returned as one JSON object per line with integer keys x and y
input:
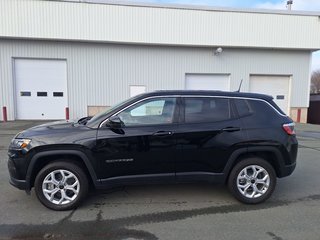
{"x": 155, "y": 25}
{"x": 100, "y": 74}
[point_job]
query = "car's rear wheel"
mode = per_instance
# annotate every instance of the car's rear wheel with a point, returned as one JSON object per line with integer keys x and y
{"x": 61, "y": 185}
{"x": 252, "y": 180}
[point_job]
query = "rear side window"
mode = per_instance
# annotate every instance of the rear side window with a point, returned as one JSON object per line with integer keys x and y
{"x": 243, "y": 106}
{"x": 263, "y": 109}
{"x": 202, "y": 109}
{"x": 260, "y": 112}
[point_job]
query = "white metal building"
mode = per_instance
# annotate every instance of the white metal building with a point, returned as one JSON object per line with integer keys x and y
{"x": 86, "y": 56}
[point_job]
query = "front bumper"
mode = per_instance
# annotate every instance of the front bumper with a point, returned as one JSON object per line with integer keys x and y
{"x": 20, "y": 184}
{"x": 17, "y": 170}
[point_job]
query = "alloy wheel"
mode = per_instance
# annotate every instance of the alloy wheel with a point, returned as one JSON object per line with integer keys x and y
{"x": 253, "y": 181}
{"x": 61, "y": 187}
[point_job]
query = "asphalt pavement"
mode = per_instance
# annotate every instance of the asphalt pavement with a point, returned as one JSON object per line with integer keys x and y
{"x": 181, "y": 211}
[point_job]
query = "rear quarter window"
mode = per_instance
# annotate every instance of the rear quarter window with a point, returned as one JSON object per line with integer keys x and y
{"x": 257, "y": 113}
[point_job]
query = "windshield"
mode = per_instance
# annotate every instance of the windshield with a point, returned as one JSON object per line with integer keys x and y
{"x": 109, "y": 110}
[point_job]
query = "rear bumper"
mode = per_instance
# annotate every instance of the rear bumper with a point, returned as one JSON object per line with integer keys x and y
{"x": 287, "y": 170}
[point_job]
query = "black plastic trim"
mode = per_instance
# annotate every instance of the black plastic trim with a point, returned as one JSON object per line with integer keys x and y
{"x": 137, "y": 179}
{"x": 232, "y": 159}
{"x": 20, "y": 184}
{"x": 80, "y": 154}
{"x": 282, "y": 169}
{"x": 288, "y": 169}
{"x": 200, "y": 176}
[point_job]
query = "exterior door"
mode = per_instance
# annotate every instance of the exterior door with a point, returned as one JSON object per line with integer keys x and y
{"x": 206, "y": 136}
{"x": 145, "y": 147}
{"x": 276, "y": 86}
{"x": 219, "y": 82}
{"x": 41, "y": 88}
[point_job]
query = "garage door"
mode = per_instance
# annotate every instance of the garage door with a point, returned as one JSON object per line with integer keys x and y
{"x": 41, "y": 88}
{"x": 208, "y": 82}
{"x": 276, "y": 86}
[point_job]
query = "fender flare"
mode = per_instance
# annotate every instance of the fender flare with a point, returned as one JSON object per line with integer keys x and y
{"x": 255, "y": 149}
{"x": 77, "y": 153}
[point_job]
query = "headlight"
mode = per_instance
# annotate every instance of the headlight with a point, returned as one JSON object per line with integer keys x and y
{"x": 20, "y": 143}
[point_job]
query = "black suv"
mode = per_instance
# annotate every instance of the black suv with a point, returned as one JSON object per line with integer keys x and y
{"x": 241, "y": 139}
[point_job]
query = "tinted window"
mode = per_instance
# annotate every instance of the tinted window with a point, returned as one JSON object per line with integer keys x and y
{"x": 151, "y": 111}
{"x": 263, "y": 112}
{"x": 261, "y": 115}
{"x": 200, "y": 109}
{"x": 243, "y": 107}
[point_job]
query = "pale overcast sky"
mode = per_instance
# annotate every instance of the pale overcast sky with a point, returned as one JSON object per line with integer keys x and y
{"x": 301, "y": 5}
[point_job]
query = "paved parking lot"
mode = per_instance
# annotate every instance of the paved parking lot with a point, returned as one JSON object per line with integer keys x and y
{"x": 190, "y": 211}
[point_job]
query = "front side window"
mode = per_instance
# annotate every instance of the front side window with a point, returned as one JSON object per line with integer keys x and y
{"x": 206, "y": 109}
{"x": 149, "y": 112}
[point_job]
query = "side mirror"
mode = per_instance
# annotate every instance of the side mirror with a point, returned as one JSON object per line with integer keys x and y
{"x": 114, "y": 122}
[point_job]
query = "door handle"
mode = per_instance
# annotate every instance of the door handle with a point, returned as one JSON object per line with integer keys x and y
{"x": 163, "y": 133}
{"x": 230, "y": 129}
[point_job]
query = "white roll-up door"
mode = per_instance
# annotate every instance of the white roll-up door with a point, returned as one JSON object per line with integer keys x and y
{"x": 276, "y": 86}
{"x": 208, "y": 82}
{"x": 41, "y": 88}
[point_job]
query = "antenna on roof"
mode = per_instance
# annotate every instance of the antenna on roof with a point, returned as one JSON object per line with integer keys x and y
{"x": 240, "y": 86}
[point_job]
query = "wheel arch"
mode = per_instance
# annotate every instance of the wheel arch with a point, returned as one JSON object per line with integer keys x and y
{"x": 41, "y": 159}
{"x": 270, "y": 154}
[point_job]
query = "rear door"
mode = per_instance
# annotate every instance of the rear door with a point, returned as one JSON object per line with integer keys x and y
{"x": 207, "y": 135}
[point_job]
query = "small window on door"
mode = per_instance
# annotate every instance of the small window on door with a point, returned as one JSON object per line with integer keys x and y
{"x": 199, "y": 110}
{"x": 25, "y": 94}
{"x": 58, "y": 94}
{"x": 42, "y": 94}
{"x": 149, "y": 112}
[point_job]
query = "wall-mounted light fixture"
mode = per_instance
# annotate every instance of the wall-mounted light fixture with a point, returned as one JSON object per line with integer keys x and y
{"x": 218, "y": 51}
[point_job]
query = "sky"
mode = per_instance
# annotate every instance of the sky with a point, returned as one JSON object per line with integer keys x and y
{"x": 271, "y": 4}
{"x": 299, "y": 5}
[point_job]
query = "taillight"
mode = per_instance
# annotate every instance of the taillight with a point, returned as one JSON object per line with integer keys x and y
{"x": 289, "y": 128}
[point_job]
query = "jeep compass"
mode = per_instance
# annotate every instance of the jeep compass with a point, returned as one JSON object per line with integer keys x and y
{"x": 241, "y": 139}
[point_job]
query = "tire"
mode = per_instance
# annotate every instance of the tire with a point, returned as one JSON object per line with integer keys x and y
{"x": 58, "y": 193}
{"x": 252, "y": 189}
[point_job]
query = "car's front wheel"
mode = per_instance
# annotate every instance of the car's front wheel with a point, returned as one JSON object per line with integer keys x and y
{"x": 61, "y": 185}
{"x": 252, "y": 180}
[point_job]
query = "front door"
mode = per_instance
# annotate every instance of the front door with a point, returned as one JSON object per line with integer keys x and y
{"x": 144, "y": 149}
